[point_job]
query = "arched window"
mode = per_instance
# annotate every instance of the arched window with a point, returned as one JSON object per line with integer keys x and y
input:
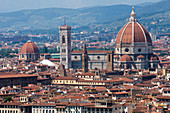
{"x": 109, "y": 58}
{"x": 63, "y": 39}
{"x": 22, "y": 55}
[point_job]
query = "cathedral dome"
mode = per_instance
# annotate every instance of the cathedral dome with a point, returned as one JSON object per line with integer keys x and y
{"x": 133, "y": 32}
{"x": 29, "y": 47}
{"x": 125, "y": 58}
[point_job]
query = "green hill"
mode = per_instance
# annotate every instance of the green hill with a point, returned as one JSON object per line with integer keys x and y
{"x": 93, "y": 17}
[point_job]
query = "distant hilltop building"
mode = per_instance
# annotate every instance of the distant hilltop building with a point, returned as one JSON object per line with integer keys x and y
{"x": 29, "y": 52}
{"x": 133, "y": 48}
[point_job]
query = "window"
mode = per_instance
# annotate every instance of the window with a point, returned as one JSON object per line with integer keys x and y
{"x": 63, "y": 59}
{"x": 117, "y": 49}
{"x": 22, "y": 55}
{"x": 63, "y": 39}
{"x": 63, "y": 50}
{"x": 139, "y": 50}
{"x": 75, "y": 57}
{"x": 98, "y": 57}
{"x": 29, "y": 55}
{"x": 109, "y": 58}
{"x": 126, "y": 50}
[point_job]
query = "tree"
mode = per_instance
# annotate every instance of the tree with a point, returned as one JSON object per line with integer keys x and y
{"x": 44, "y": 50}
{"x": 8, "y": 99}
{"x": 163, "y": 54}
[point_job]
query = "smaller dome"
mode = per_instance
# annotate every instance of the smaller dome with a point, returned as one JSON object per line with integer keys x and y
{"x": 29, "y": 47}
{"x": 125, "y": 58}
{"x": 65, "y": 27}
{"x": 141, "y": 56}
{"x": 153, "y": 57}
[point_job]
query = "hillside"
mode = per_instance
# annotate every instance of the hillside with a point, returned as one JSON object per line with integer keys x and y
{"x": 101, "y": 16}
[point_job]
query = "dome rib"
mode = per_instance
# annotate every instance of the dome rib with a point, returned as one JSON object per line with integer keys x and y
{"x": 147, "y": 34}
{"x": 119, "y": 35}
{"x": 123, "y": 32}
{"x": 143, "y": 32}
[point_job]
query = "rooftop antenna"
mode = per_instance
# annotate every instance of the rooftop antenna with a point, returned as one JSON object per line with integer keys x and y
{"x": 64, "y": 20}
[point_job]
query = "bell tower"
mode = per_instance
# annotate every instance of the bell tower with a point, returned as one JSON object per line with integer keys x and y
{"x": 85, "y": 59}
{"x": 65, "y": 46}
{"x": 110, "y": 61}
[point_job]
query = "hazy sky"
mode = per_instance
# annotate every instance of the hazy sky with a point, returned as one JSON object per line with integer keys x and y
{"x": 14, "y": 5}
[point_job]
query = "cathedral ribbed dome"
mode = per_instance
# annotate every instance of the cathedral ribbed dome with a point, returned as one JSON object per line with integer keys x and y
{"x": 133, "y": 32}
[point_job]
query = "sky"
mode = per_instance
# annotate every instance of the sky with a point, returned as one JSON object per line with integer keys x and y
{"x": 15, "y": 5}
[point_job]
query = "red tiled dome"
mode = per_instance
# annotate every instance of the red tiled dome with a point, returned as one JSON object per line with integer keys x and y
{"x": 29, "y": 47}
{"x": 125, "y": 58}
{"x": 133, "y": 32}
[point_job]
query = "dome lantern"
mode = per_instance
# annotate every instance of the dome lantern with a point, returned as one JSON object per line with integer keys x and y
{"x": 133, "y": 15}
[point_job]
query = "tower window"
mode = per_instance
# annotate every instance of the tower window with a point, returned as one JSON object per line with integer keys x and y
{"x": 126, "y": 50}
{"x": 63, "y": 59}
{"x": 117, "y": 49}
{"x": 63, "y": 39}
{"x": 109, "y": 58}
{"x": 29, "y": 55}
{"x": 63, "y": 50}
{"x": 139, "y": 50}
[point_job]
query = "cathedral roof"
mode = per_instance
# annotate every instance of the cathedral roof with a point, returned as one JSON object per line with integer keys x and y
{"x": 153, "y": 57}
{"x": 91, "y": 51}
{"x": 116, "y": 56}
{"x": 65, "y": 27}
{"x": 125, "y": 58}
{"x": 29, "y": 47}
{"x": 133, "y": 32}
